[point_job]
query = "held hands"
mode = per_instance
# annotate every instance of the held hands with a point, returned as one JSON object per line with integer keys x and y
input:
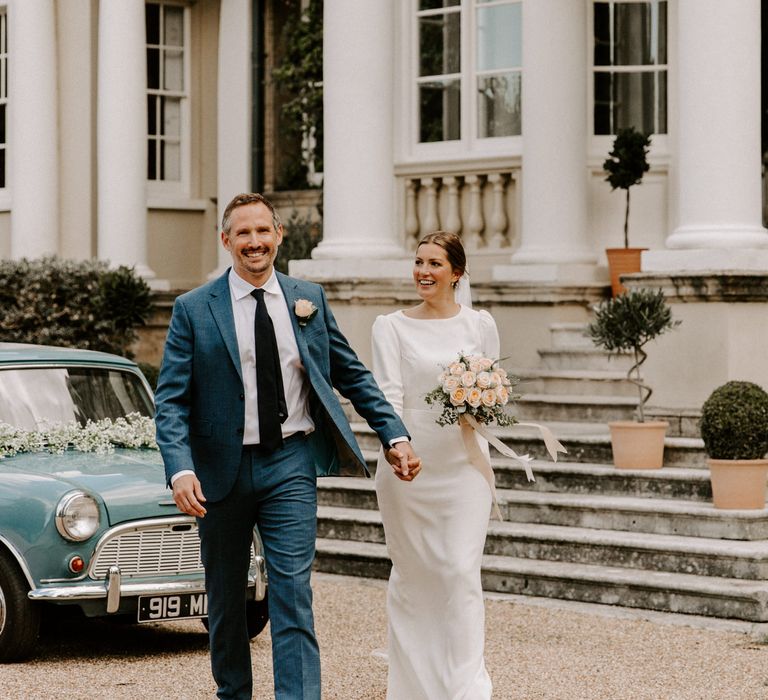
{"x": 404, "y": 461}
{"x": 188, "y": 495}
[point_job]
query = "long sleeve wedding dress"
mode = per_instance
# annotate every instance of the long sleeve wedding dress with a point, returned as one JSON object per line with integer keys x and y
{"x": 435, "y": 526}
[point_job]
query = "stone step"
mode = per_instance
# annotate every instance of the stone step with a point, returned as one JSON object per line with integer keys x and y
{"x": 585, "y": 358}
{"x": 690, "y": 555}
{"x": 677, "y": 554}
{"x": 671, "y": 592}
{"x": 569, "y": 335}
{"x": 683, "y": 422}
{"x": 552, "y": 382}
{"x": 659, "y": 516}
{"x": 575, "y": 477}
{"x": 575, "y": 408}
{"x": 586, "y": 443}
{"x": 595, "y": 448}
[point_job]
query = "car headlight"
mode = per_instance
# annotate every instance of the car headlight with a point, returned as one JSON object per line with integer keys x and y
{"x": 77, "y": 516}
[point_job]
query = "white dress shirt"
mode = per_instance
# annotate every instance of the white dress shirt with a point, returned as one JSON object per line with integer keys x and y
{"x": 295, "y": 384}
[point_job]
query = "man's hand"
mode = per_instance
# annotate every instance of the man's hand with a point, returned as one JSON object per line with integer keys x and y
{"x": 404, "y": 461}
{"x": 188, "y": 495}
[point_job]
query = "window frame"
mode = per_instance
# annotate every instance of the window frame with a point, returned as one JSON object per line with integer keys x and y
{"x": 600, "y": 144}
{"x": 407, "y": 50}
{"x": 4, "y": 101}
{"x": 175, "y": 189}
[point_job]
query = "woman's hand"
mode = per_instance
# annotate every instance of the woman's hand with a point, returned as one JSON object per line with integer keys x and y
{"x": 405, "y": 464}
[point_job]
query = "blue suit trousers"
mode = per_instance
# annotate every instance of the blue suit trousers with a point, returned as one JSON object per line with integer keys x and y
{"x": 277, "y": 492}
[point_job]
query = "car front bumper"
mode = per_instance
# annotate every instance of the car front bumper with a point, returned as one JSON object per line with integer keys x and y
{"x": 115, "y": 590}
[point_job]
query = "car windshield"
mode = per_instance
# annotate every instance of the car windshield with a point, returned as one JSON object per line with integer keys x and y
{"x": 31, "y": 398}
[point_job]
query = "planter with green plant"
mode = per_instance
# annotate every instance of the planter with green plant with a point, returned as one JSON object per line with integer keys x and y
{"x": 734, "y": 428}
{"x": 625, "y": 324}
{"x": 625, "y": 166}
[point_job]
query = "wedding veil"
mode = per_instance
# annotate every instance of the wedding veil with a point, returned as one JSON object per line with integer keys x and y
{"x": 462, "y": 294}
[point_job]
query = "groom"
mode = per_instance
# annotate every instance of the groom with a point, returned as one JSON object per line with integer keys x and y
{"x": 246, "y": 420}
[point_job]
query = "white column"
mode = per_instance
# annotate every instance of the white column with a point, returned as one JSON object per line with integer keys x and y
{"x": 34, "y": 167}
{"x": 358, "y": 102}
{"x": 554, "y": 114}
{"x": 718, "y": 152}
{"x": 121, "y": 125}
{"x": 234, "y": 108}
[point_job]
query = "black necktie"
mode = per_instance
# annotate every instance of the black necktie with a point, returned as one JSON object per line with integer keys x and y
{"x": 269, "y": 378}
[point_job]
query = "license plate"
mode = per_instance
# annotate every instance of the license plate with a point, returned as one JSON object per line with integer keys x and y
{"x": 156, "y": 608}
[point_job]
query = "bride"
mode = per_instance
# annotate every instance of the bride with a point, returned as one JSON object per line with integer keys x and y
{"x": 435, "y": 526}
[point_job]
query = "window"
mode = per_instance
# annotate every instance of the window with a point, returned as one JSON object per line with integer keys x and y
{"x": 630, "y": 66}
{"x": 166, "y": 92}
{"x": 468, "y": 75}
{"x": 3, "y": 97}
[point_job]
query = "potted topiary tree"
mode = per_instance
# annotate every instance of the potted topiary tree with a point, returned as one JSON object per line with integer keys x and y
{"x": 626, "y": 164}
{"x": 734, "y": 428}
{"x": 625, "y": 324}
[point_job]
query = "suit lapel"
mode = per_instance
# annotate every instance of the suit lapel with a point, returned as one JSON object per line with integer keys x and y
{"x": 290, "y": 292}
{"x": 220, "y": 305}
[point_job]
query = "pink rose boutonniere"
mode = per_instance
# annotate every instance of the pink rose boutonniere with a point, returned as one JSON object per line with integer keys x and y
{"x": 305, "y": 311}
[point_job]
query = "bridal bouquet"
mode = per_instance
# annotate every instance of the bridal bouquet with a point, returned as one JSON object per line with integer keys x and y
{"x": 473, "y": 391}
{"x": 473, "y": 385}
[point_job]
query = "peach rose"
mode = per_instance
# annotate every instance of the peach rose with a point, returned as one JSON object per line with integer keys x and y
{"x": 486, "y": 364}
{"x": 458, "y": 396}
{"x": 489, "y": 398}
{"x": 305, "y": 311}
{"x": 457, "y": 368}
{"x": 450, "y": 383}
{"x": 483, "y": 380}
{"x": 503, "y": 395}
{"x": 475, "y": 366}
{"x": 474, "y": 397}
{"x": 468, "y": 379}
{"x": 495, "y": 379}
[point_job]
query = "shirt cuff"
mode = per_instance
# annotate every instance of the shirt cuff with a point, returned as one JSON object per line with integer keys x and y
{"x": 402, "y": 438}
{"x": 183, "y": 472}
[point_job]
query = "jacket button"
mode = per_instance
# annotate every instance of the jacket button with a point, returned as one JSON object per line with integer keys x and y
{"x": 242, "y": 397}
{"x": 239, "y": 431}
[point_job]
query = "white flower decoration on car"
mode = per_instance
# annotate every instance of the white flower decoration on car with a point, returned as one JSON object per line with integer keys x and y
{"x": 305, "y": 311}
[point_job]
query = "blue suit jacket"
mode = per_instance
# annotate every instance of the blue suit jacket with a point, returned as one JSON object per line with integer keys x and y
{"x": 200, "y": 396}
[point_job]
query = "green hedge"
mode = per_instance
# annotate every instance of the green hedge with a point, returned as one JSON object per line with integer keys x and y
{"x": 72, "y": 304}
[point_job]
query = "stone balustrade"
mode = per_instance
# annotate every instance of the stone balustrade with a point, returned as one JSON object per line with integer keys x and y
{"x": 482, "y": 206}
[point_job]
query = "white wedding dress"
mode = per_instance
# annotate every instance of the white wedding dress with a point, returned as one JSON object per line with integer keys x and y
{"x": 435, "y": 526}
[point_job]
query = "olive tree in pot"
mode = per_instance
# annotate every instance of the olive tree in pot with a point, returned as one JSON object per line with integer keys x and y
{"x": 626, "y": 164}
{"x": 734, "y": 428}
{"x": 625, "y": 324}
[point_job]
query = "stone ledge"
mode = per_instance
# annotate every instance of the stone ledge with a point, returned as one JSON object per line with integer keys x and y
{"x": 393, "y": 291}
{"x": 744, "y": 286}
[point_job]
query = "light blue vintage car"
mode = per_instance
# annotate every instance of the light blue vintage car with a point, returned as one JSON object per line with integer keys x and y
{"x": 95, "y": 530}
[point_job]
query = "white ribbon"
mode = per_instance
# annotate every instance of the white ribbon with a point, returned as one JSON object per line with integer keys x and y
{"x": 482, "y": 463}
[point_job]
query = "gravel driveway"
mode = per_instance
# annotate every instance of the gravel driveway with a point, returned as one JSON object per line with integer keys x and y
{"x": 533, "y": 652}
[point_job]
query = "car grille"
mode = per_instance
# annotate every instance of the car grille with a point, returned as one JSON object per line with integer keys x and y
{"x": 155, "y": 548}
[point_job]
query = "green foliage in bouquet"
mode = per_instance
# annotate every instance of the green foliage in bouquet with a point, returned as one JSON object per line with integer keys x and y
{"x": 85, "y": 304}
{"x": 734, "y": 422}
{"x": 475, "y": 385}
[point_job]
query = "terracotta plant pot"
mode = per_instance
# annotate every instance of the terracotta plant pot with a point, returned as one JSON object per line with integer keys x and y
{"x": 622, "y": 261}
{"x": 738, "y": 483}
{"x": 638, "y": 445}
